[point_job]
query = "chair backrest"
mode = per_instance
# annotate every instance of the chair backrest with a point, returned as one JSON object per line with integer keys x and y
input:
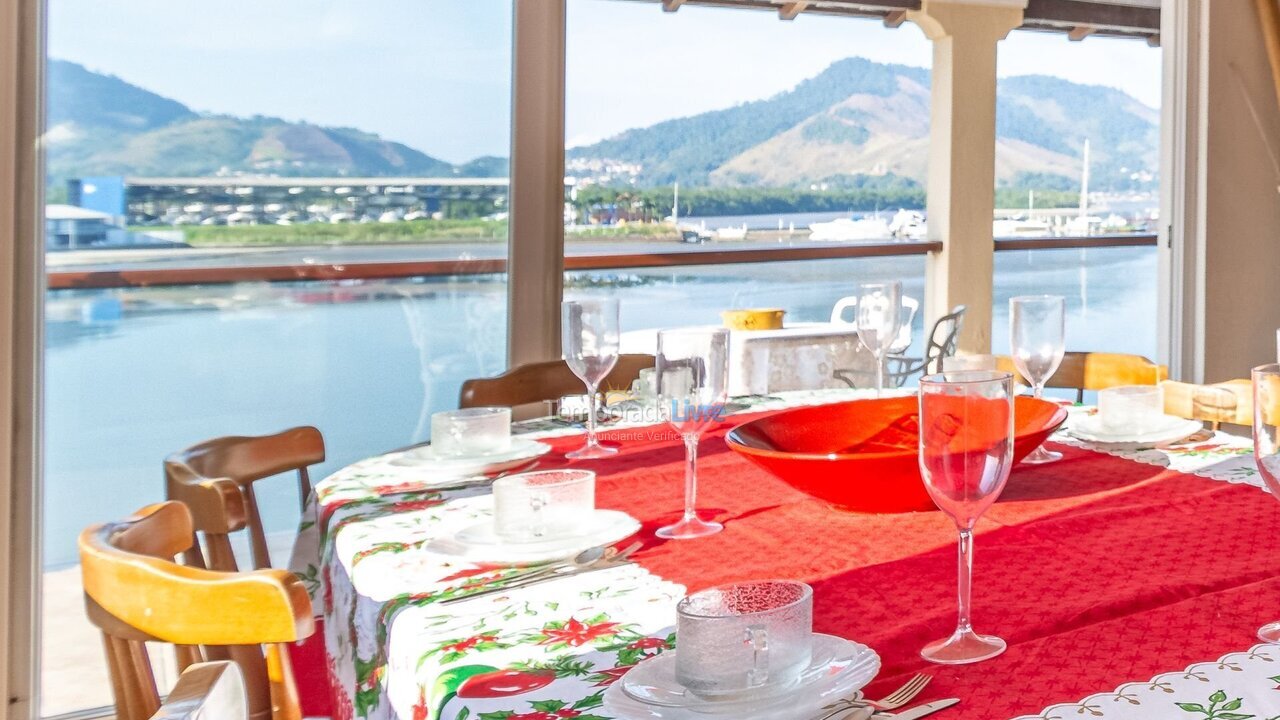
{"x": 191, "y": 477}
{"x": 943, "y": 339}
{"x": 542, "y": 381}
{"x": 1225, "y": 402}
{"x": 207, "y": 691}
{"x": 135, "y": 593}
{"x": 1082, "y": 371}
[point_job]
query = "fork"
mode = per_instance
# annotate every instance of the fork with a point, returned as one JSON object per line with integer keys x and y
{"x": 892, "y": 701}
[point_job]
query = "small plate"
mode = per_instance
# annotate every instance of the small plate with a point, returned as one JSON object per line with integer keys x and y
{"x": 522, "y": 452}
{"x": 838, "y": 669}
{"x": 1172, "y": 429}
{"x": 479, "y": 542}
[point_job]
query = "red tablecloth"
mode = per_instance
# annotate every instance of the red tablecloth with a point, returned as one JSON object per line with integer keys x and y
{"x": 1096, "y": 570}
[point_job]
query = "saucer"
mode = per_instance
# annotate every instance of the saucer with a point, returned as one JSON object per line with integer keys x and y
{"x": 480, "y": 543}
{"x": 1171, "y": 429}
{"x": 839, "y": 668}
{"x": 521, "y": 452}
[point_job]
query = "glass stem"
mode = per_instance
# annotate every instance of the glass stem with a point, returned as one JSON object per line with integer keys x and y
{"x": 591, "y": 416}
{"x": 1037, "y": 390}
{"x": 879, "y": 374}
{"x": 690, "y": 476}
{"x": 965, "y": 574}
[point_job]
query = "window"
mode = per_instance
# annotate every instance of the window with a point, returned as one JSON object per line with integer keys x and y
{"x": 211, "y": 166}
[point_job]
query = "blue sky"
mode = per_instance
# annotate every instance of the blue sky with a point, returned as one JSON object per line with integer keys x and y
{"x": 435, "y": 74}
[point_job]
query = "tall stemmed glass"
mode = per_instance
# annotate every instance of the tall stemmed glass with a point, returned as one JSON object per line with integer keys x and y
{"x": 1266, "y": 447}
{"x": 589, "y": 335}
{"x": 966, "y": 450}
{"x": 1037, "y": 334}
{"x": 692, "y": 377}
{"x": 879, "y": 320}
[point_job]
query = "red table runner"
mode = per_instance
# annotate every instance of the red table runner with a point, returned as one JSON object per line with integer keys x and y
{"x": 1096, "y": 570}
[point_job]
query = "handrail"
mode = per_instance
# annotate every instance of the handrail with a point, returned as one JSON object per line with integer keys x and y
{"x": 225, "y": 275}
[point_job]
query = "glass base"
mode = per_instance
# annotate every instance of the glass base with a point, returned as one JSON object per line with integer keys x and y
{"x": 1040, "y": 456}
{"x": 963, "y": 647}
{"x": 689, "y": 528}
{"x": 1270, "y": 632}
{"x": 589, "y": 452}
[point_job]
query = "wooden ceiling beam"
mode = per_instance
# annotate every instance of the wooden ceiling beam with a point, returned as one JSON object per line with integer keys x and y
{"x": 895, "y": 18}
{"x": 1080, "y": 32}
{"x": 791, "y": 10}
{"x": 671, "y": 5}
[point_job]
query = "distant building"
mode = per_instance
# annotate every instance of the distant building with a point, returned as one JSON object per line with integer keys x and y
{"x": 69, "y": 227}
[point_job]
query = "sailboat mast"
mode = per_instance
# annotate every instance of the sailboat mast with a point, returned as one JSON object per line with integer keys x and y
{"x": 675, "y": 206}
{"x": 1084, "y": 183}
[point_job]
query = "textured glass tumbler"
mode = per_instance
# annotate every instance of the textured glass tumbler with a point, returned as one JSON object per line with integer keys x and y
{"x": 745, "y": 637}
{"x": 543, "y": 505}
{"x": 473, "y": 431}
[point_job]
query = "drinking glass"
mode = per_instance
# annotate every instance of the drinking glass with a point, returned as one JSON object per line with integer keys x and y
{"x": 966, "y": 450}
{"x": 543, "y": 504}
{"x": 470, "y": 431}
{"x": 692, "y": 382}
{"x": 1037, "y": 332}
{"x": 589, "y": 341}
{"x": 879, "y": 320}
{"x": 744, "y": 636}
{"x": 1266, "y": 447}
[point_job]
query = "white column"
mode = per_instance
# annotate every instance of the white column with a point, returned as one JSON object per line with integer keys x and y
{"x": 962, "y": 147}
{"x": 21, "y": 312}
{"x": 535, "y": 266}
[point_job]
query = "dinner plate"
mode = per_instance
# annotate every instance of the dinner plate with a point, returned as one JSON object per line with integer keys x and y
{"x": 1171, "y": 429}
{"x": 480, "y": 543}
{"x": 522, "y": 452}
{"x": 839, "y": 668}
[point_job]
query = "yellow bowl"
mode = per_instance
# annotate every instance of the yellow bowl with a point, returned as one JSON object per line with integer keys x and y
{"x": 756, "y": 319}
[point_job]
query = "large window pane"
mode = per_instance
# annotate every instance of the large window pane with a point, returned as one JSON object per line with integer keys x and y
{"x": 196, "y": 149}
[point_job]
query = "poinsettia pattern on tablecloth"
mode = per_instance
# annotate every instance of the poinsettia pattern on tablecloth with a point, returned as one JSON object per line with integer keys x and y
{"x": 1238, "y": 686}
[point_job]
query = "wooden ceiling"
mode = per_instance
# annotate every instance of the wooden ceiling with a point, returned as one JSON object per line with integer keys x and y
{"x": 1077, "y": 18}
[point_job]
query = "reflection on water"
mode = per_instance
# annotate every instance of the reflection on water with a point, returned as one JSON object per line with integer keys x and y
{"x": 368, "y": 362}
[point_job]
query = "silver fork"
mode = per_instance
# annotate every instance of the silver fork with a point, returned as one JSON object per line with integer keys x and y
{"x": 892, "y": 701}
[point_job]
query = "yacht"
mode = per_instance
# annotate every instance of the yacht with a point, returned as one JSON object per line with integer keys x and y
{"x": 848, "y": 229}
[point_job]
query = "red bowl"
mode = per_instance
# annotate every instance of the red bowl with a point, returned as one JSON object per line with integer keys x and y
{"x": 862, "y": 455}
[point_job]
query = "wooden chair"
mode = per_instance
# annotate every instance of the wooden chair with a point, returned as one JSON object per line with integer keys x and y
{"x": 1225, "y": 402}
{"x": 193, "y": 477}
{"x": 207, "y": 691}
{"x": 543, "y": 381}
{"x": 135, "y": 593}
{"x": 1082, "y": 371}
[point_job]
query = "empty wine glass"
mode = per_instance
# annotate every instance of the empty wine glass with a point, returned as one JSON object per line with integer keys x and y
{"x": 1037, "y": 334}
{"x": 1266, "y": 447}
{"x": 879, "y": 320}
{"x": 692, "y": 379}
{"x": 966, "y": 450}
{"x": 589, "y": 333}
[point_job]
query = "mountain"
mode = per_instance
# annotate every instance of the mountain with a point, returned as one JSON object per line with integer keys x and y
{"x": 860, "y": 122}
{"x": 102, "y": 125}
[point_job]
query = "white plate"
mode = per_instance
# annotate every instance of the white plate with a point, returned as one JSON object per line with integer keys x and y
{"x": 839, "y": 668}
{"x": 521, "y": 452}
{"x": 1172, "y": 429}
{"x": 479, "y": 542}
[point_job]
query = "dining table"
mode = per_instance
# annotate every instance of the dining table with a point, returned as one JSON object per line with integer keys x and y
{"x": 1128, "y": 583}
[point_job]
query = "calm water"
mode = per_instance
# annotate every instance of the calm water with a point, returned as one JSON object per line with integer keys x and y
{"x": 369, "y": 369}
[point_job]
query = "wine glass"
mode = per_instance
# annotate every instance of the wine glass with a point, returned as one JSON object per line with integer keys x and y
{"x": 879, "y": 320}
{"x": 589, "y": 334}
{"x": 692, "y": 378}
{"x": 966, "y": 450}
{"x": 1037, "y": 333}
{"x": 1266, "y": 447}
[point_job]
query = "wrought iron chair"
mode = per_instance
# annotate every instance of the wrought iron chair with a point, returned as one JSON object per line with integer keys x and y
{"x": 942, "y": 344}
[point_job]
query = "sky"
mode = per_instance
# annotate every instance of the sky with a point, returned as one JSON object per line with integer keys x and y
{"x": 436, "y": 74}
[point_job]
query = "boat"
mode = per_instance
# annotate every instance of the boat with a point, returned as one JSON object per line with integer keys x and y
{"x": 732, "y": 233}
{"x": 909, "y": 225}
{"x": 848, "y": 230}
{"x": 1020, "y": 227}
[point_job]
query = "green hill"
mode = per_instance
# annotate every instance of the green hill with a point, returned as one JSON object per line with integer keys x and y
{"x": 859, "y": 121}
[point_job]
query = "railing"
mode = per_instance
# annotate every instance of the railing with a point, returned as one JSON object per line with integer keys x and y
{"x": 151, "y": 277}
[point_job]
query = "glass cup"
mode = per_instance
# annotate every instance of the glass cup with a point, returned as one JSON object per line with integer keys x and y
{"x": 1266, "y": 448}
{"x": 744, "y": 637}
{"x": 1131, "y": 409}
{"x": 1037, "y": 334}
{"x": 966, "y": 450}
{"x": 543, "y": 505}
{"x": 472, "y": 431}
{"x": 879, "y": 321}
